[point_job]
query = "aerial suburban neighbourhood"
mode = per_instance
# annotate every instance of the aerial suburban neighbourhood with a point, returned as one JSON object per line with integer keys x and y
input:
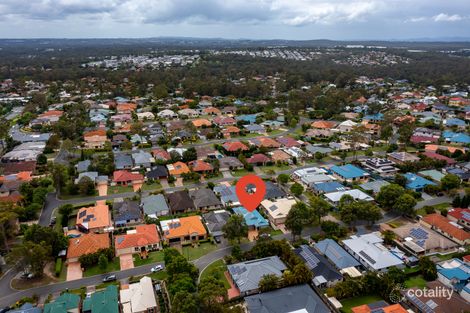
{"x": 121, "y": 161}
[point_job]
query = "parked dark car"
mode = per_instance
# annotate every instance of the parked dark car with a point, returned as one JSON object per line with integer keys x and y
{"x": 109, "y": 278}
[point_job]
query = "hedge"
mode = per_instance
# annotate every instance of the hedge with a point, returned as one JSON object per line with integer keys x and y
{"x": 58, "y": 267}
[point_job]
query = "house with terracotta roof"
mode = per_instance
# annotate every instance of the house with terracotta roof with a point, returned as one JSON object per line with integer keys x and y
{"x": 224, "y": 121}
{"x": 201, "y": 122}
{"x": 126, "y": 178}
{"x": 381, "y": 306}
{"x": 288, "y": 142}
{"x": 280, "y": 156}
{"x": 183, "y": 230}
{"x": 437, "y": 156}
{"x": 94, "y": 219}
{"x": 234, "y": 146}
{"x": 95, "y": 139}
{"x": 265, "y": 142}
{"x": 323, "y": 124}
{"x": 258, "y": 159}
{"x": 460, "y": 216}
{"x": 178, "y": 168}
{"x": 141, "y": 240}
{"x": 200, "y": 166}
{"x": 47, "y": 118}
{"x": 161, "y": 155}
{"x": 211, "y": 111}
{"x": 230, "y": 131}
{"x": 86, "y": 244}
{"x": 445, "y": 227}
{"x": 126, "y": 108}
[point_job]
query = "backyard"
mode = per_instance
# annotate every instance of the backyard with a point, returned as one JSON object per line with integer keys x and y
{"x": 415, "y": 281}
{"x": 350, "y": 303}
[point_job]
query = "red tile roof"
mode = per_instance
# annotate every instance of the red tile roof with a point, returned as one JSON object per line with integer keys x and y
{"x": 288, "y": 142}
{"x": 437, "y": 156}
{"x": 200, "y": 166}
{"x": 125, "y": 176}
{"x": 234, "y": 146}
{"x": 142, "y": 236}
{"x": 442, "y": 223}
{"x": 458, "y": 213}
{"x": 258, "y": 158}
{"x": 86, "y": 244}
{"x": 425, "y": 139}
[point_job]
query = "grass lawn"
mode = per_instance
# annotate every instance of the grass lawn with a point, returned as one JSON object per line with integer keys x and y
{"x": 162, "y": 275}
{"x": 415, "y": 281}
{"x": 275, "y": 168}
{"x": 195, "y": 253}
{"x": 153, "y": 257}
{"x": 249, "y": 135}
{"x": 96, "y": 270}
{"x": 437, "y": 208}
{"x": 353, "y": 302}
{"x": 277, "y": 132}
{"x": 119, "y": 189}
{"x": 151, "y": 187}
{"x": 104, "y": 285}
{"x": 240, "y": 173}
{"x": 216, "y": 269}
{"x": 274, "y": 232}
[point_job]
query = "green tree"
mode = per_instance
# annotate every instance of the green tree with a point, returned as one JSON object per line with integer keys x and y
{"x": 269, "y": 282}
{"x": 30, "y": 255}
{"x": 44, "y": 235}
{"x": 427, "y": 268}
{"x": 389, "y": 194}
{"x": 86, "y": 187}
{"x": 388, "y": 237}
{"x": 65, "y": 211}
{"x": 235, "y": 228}
{"x": 319, "y": 207}
{"x": 283, "y": 178}
{"x": 296, "y": 189}
{"x": 211, "y": 293}
{"x": 184, "y": 302}
{"x": 102, "y": 262}
{"x": 400, "y": 180}
{"x": 450, "y": 181}
{"x": 405, "y": 205}
{"x": 299, "y": 216}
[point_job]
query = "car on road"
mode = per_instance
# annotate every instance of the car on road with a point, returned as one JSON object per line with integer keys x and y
{"x": 109, "y": 278}
{"x": 156, "y": 268}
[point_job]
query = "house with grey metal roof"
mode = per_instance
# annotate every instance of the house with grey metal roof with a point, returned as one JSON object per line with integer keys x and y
{"x": 154, "y": 206}
{"x": 83, "y": 166}
{"x": 273, "y": 191}
{"x": 374, "y": 185}
{"x": 371, "y": 253}
{"x": 247, "y": 275}
{"x": 123, "y": 161}
{"x": 228, "y": 195}
{"x": 126, "y": 213}
{"x": 294, "y": 299}
{"x": 336, "y": 254}
{"x": 142, "y": 159}
{"x": 205, "y": 199}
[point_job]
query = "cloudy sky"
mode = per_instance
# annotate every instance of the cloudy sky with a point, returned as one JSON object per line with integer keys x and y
{"x": 257, "y": 19}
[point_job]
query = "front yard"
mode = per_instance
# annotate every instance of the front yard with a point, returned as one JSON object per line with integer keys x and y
{"x": 415, "y": 281}
{"x": 96, "y": 270}
{"x": 119, "y": 189}
{"x": 153, "y": 257}
{"x": 193, "y": 253}
{"x": 216, "y": 270}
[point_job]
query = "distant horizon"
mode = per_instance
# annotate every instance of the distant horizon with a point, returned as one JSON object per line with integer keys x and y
{"x": 449, "y": 39}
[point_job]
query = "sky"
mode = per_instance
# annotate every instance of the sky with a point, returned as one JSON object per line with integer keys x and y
{"x": 253, "y": 19}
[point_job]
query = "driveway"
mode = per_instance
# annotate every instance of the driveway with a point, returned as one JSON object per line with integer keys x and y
{"x": 126, "y": 261}
{"x": 74, "y": 271}
{"x": 227, "y": 174}
{"x": 102, "y": 189}
{"x": 258, "y": 170}
{"x": 179, "y": 182}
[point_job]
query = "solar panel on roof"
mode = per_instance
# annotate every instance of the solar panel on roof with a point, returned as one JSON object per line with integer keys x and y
{"x": 466, "y": 215}
{"x": 422, "y": 306}
{"x": 82, "y": 214}
{"x": 311, "y": 260}
{"x": 367, "y": 257}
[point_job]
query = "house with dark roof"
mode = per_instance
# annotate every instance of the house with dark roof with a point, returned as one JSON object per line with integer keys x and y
{"x": 273, "y": 191}
{"x": 127, "y": 213}
{"x": 324, "y": 273}
{"x": 179, "y": 202}
{"x": 258, "y": 159}
{"x": 298, "y": 298}
{"x": 229, "y": 163}
{"x": 215, "y": 221}
{"x": 205, "y": 199}
{"x": 247, "y": 275}
{"x": 123, "y": 161}
{"x": 157, "y": 172}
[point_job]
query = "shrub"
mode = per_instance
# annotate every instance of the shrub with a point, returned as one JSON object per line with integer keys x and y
{"x": 58, "y": 267}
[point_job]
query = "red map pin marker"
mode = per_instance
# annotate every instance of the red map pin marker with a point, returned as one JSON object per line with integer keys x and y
{"x": 250, "y": 201}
